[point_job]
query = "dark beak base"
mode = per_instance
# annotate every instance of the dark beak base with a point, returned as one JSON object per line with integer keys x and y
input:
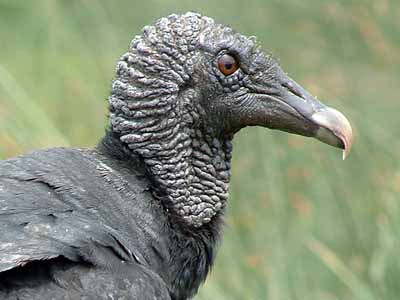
{"x": 325, "y": 123}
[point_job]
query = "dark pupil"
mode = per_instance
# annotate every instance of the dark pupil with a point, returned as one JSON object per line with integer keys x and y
{"x": 228, "y": 66}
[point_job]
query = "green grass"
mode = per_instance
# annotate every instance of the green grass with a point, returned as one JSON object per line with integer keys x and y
{"x": 301, "y": 223}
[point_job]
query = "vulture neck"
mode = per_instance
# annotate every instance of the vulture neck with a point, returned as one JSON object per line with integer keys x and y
{"x": 189, "y": 171}
{"x": 187, "y": 161}
{"x": 193, "y": 182}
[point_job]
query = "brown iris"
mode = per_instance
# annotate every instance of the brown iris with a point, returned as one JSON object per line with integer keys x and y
{"x": 227, "y": 64}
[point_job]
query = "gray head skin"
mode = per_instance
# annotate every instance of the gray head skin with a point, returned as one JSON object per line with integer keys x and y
{"x": 173, "y": 106}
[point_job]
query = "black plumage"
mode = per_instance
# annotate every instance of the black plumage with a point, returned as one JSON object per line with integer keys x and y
{"x": 90, "y": 209}
{"x": 139, "y": 216}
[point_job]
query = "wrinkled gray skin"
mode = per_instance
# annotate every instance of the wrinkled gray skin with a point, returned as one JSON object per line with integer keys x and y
{"x": 139, "y": 216}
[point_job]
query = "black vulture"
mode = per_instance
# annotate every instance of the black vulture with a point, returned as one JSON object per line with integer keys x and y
{"x": 139, "y": 215}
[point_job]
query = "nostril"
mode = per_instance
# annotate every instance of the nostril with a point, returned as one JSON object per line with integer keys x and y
{"x": 290, "y": 86}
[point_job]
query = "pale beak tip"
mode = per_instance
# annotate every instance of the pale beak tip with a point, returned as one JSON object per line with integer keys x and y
{"x": 344, "y": 154}
{"x": 334, "y": 126}
{"x": 347, "y": 144}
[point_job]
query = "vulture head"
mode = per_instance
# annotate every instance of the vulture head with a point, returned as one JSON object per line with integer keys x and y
{"x": 181, "y": 92}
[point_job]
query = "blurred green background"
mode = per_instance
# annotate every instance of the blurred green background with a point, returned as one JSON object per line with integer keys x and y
{"x": 301, "y": 224}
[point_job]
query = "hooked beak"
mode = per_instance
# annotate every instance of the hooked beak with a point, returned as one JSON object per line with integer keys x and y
{"x": 334, "y": 129}
{"x": 303, "y": 114}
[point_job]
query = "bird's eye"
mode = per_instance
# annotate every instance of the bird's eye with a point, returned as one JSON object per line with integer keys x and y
{"x": 228, "y": 64}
